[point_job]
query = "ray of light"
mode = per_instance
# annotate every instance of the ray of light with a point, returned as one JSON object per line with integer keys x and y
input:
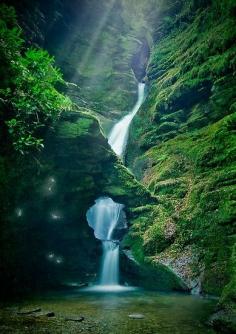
{"x": 96, "y": 35}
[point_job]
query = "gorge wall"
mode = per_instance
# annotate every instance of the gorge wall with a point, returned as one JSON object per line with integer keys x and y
{"x": 100, "y": 46}
{"x": 47, "y": 194}
{"x": 181, "y": 148}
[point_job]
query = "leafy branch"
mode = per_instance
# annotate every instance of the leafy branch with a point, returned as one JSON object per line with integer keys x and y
{"x": 29, "y": 85}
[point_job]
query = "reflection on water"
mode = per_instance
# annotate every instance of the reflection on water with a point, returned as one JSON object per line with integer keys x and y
{"x": 109, "y": 312}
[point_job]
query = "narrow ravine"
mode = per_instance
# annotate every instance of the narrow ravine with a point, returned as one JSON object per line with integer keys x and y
{"x": 106, "y": 216}
{"x": 117, "y": 169}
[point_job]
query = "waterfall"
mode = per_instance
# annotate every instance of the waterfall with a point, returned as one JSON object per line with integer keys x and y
{"x": 106, "y": 216}
{"x": 119, "y": 134}
{"x": 110, "y": 264}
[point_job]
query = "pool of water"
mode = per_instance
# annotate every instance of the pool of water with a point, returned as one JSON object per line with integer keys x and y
{"x": 109, "y": 313}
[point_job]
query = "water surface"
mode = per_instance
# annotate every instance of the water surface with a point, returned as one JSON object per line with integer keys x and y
{"x": 108, "y": 313}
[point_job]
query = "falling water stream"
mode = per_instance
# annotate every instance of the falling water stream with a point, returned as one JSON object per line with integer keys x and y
{"x": 119, "y": 134}
{"x": 106, "y": 216}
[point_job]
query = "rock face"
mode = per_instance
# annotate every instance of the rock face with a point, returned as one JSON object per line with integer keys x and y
{"x": 103, "y": 47}
{"x": 182, "y": 147}
{"x": 76, "y": 167}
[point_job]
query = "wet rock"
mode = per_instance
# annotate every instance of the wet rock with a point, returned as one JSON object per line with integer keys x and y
{"x": 82, "y": 285}
{"x": 50, "y": 314}
{"x": 28, "y": 312}
{"x": 136, "y": 316}
{"x": 47, "y": 314}
{"x": 76, "y": 319}
{"x": 223, "y": 321}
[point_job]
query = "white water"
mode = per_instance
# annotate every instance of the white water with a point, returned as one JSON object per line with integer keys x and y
{"x": 110, "y": 263}
{"x": 105, "y": 216}
{"x": 119, "y": 133}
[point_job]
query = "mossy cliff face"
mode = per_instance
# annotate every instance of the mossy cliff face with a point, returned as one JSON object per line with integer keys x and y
{"x": 102, "y": 48}
{"x": 45, "y": 238}
{"x": 87, "y": 169}
{"x": 49, "y": 194}
{"x": 78, "y": 146}
{"x": 182, "y": 147}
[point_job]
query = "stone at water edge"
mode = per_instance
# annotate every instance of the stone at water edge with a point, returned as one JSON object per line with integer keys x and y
{"x": 28, "y": 311}
{"x": 78, "y": 319}
{"x": 50, "y": 314}
{"x": 136, "y": 316}
{"x": 37, "y": 312}
{"x": 43, "y": 314}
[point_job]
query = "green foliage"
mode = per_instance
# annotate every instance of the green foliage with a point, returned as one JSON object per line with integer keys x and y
{"x": 194, "y": 175}
{"x": 75, "y": 129}
{"x": 154, "y": 239}
{"x": 229, "y": 292}
{"x": 28, "y": 86}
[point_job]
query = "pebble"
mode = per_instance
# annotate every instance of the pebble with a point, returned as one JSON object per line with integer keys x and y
{"x": 136, "y": 316}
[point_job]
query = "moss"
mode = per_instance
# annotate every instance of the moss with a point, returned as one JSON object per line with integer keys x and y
{"x": 225, "y": 318}
{"x": 155, "y": 240}
{"x": 229, "y": 292}
{"x": 136, "y": 248}
{"x": 167, "y": 127}
{"x": 73, "y": 130}
{"x": 199, "y": 198}
{"x": 76, "y": 167}
{"x": 194, "y": 64}
{"x": 182, "y": 142}
{"x": 149, "y": 274}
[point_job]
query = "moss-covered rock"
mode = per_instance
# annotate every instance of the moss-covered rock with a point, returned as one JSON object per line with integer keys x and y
{"x": 101, "y": 47}
{"x": 46, "y": 201}
{"x": 182, "y": 147}
{"x": 103, "y": 60}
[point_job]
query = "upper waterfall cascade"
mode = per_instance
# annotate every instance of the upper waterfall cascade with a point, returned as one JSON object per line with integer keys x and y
{"x": 119, "y": 133}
